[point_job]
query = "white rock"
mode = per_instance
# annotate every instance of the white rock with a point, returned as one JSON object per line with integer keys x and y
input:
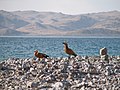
{"x": 58, "y": 86}
{"x": 31, "y": 69}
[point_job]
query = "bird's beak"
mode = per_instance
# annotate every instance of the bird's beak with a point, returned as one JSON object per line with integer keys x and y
{"x": 63, "y": 43}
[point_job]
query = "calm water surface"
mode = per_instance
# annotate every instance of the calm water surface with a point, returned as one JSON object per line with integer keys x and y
{"x": 23, "y": 47}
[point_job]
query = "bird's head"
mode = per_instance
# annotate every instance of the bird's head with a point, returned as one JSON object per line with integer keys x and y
{"x": 65, "y": 43}
{"x": 36, "y": 51}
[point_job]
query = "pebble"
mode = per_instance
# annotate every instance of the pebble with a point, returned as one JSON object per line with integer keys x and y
{"x": 62, "y": 73}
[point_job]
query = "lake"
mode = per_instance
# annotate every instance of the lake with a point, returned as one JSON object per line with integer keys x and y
{"x": 23, "y": 47}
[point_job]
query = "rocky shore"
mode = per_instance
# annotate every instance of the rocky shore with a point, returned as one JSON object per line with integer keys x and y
{"x": 74, "y": 73}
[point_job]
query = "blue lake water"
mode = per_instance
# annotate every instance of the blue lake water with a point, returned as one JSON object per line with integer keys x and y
{"x": 23, "y": 47}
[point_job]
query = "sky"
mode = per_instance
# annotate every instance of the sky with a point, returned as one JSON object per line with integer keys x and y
{"x": 64, "y": 6}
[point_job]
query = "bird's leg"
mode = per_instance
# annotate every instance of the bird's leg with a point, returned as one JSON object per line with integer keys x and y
{"x": 38, "y": 59}
{"x": 69, "y": 57}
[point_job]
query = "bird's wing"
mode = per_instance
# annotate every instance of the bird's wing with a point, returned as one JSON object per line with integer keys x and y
{"x": 39, "y": 54}
{"x": 71, "y": 52}
{"x": 43, "y": 55}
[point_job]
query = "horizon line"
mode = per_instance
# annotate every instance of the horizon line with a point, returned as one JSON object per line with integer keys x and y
{"x": 58, "y": 11}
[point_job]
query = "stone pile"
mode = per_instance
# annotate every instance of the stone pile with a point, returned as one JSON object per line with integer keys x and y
{"x": 75, "y": 73}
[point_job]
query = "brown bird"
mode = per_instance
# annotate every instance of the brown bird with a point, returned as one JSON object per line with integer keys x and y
{"x": 68, "y": 50}
{"x": 40, "y": 55}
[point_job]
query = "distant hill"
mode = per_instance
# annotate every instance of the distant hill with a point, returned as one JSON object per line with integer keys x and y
{"x": 52, "y": 23}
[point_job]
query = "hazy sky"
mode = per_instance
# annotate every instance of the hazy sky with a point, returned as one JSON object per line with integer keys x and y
{"x": 64, "y": 6}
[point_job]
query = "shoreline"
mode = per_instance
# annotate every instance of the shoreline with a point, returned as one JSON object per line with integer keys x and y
{"x": 82, "y": 56}
{"x": 60, "y": 73}
{"x": 63, "y": 36}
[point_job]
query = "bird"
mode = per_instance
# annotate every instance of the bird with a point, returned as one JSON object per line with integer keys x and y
{"x": 40, "y": 55}
{"x": 68, "y": 50}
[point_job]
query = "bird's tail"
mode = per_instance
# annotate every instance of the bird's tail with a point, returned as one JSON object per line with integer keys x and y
{"x": 46, "y": 56}
{"x": 75, "y": 54}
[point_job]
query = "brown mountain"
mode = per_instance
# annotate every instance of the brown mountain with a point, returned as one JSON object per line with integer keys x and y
{"x": 51, "y": 23}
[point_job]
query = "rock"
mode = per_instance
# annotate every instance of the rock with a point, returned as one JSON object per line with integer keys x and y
{"x": 17, "y": 88}
{"x": 31, "y": 84}
{"x": 73, "y": 73}
{"x": 34, "y": 84}
{"x": 45, "y": 87}
{"x": 26, "y": 65}
{"x": 58, "y": 86}
{"x": 31, "y": 69}
{"x": 1, "y": 64}
{"x": 104, "y": 57}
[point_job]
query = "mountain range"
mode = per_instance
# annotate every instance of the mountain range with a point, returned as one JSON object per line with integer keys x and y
{"x": 33, "y": 23}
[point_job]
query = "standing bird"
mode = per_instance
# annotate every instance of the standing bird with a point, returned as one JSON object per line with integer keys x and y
{"x": 68, "y": 50}
{"x": 40, "y": 55}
